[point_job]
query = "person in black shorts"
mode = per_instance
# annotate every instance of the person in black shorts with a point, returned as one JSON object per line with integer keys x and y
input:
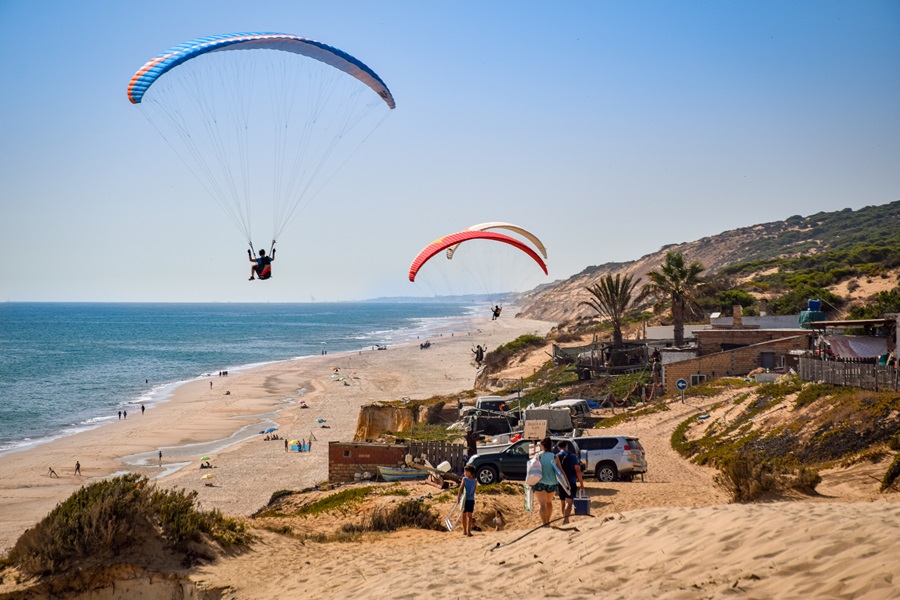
{"x": 262, "y": 267}
{"x": 467, "y": 486}
{"x": 572, "y": 469}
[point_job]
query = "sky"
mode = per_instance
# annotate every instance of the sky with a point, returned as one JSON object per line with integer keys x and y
{"x": 608, "y": 128}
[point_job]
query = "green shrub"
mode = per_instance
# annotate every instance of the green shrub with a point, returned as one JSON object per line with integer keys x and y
{"x": 409, "y": 513}
{"x": 279, "y": 494}
{"x": 338, "y": 501}
{"x": 747, "y": 476}
{"x": 812, "y": 392}
{"x": 112, "y": 520}
{"x": 894, "y": 442}
{"x": 502, "y": 488}
{"x": 807, "y": 480}
{"x": 679, "y": 440}
{"x": 891, "y": 475}
{"x": 496, "y": 360}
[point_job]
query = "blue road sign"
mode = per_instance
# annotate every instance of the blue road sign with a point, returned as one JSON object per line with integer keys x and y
{"x": 681, "y": 384}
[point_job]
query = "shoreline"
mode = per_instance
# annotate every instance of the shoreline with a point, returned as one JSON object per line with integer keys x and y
{"x": 195, "y": 418}
{"x": 158, "y": 393}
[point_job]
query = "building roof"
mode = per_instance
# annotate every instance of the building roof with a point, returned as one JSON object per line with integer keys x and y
{"x": 854, "y": 323}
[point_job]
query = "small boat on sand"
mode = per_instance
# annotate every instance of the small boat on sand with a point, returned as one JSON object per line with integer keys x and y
{"x": 401, "y": 473}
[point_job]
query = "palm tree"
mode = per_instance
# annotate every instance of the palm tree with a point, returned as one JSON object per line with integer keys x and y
{"x": 678, "y": 284}
{"x": 613, "y": 298}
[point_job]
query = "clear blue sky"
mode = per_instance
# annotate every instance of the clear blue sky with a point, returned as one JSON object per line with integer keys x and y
{"x": 609, "y": 128}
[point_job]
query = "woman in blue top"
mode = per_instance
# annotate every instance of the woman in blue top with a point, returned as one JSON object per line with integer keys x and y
{"x": 546, "y": 488}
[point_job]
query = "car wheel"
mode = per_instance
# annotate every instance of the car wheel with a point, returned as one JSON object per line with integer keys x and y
{"x": 606, "y": 472}
{"x": 487, "y": 475}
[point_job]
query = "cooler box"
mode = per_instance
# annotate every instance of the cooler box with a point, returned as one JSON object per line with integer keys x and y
{"x": 582, "y": 505}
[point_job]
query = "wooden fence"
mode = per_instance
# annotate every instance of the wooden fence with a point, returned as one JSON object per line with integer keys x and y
{"x": 856, "y": 374}
{"x": 438, "y": 452}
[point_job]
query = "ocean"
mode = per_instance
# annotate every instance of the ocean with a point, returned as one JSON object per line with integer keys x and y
{"x": 67, "y": 367}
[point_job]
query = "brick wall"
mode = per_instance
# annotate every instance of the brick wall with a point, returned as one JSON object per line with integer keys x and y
{"x": 347, "y": 458}
{"x": 739, "y": 361}
{"x": 711, "y": 341}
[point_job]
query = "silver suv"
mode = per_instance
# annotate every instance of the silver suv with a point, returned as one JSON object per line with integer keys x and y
{"x": 612, "y": 457}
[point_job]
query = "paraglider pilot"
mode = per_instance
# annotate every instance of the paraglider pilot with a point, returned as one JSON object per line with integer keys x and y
{"x": 496, "y": 312}
{"x": 263, "y": 265}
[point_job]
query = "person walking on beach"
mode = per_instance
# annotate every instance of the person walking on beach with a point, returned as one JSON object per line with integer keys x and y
{"x": 546, "y": 487}
{"x": 210, "y": 385}
{"x": 160, "y": 458}
{"x": 120, "y": 415}
{"x": 467, "y": 486}
{"x": 77, "y": 468}
{"x": 572, "y": 470}
{"x": 142, "y": 409}
{"x": 124, "y": 414}
{"x": 52, "y": 473}
{"x": 285, "y": 445}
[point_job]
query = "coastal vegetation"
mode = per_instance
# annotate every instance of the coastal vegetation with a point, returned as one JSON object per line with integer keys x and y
{"x": 499, "y": 358}
{"x": 120, "y": 518}
{"x": 780, "y": 434}
{"x": 409, "y": 513}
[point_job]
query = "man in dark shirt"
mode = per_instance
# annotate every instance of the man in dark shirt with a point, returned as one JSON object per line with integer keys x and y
{"x": 262, "y": 266}
{"x": 572, "y": 469}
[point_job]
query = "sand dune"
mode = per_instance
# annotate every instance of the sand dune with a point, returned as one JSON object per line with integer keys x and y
{"x": 669, "y": 536}
{"x": 778, "y": 550}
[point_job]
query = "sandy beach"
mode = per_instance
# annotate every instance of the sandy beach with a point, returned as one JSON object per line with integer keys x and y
{"x": 672, "y": 535}
{"x": 199, "y": 419}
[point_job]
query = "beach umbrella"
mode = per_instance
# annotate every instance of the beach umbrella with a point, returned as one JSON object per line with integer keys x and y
{"x": 205, "y": 458}
{"x": 207, "y": 476}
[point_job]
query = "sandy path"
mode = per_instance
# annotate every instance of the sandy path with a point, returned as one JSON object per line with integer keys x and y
{"x": 670, "y": 480}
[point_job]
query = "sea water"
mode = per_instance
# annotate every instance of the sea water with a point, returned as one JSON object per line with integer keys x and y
{"x": 68, "y": 367}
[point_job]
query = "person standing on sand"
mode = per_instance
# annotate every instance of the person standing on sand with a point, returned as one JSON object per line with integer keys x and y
{"x": 471, "y": 443}
{"x": 467, "y": 486}
{"x": 572, "y": 470}
{"x": 285, "y": 445}
{"x": 546, "y": 487}
{"x": 124, "y": 414}
{"x": 120, "y": 415}
{"x": 77, "y": 468}
{"x": 142, "y": 409}
{"x": 210, "y": 385}
{"x": 160, "y": 458}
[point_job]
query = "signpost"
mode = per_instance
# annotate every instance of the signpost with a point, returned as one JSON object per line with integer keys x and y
{"x": 681, "y": 384}
{"x": 535, "y": 430}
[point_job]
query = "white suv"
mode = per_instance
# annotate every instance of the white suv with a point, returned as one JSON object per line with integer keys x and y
{"x": 612, "y": 457}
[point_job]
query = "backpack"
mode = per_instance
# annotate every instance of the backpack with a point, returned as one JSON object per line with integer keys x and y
{"x": 535, "y": 471}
